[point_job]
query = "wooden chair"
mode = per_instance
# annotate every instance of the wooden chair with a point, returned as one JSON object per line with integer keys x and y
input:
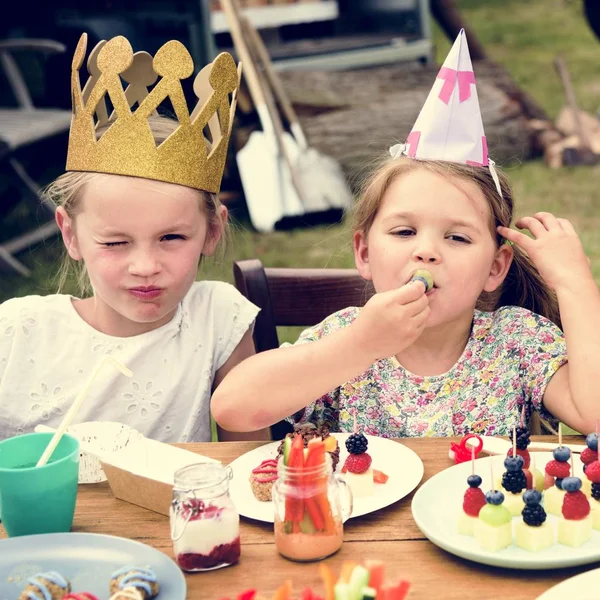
{"x": 304, "y": 297}
{"x": 20, "y": 127}
{"x": 295, "y": 297}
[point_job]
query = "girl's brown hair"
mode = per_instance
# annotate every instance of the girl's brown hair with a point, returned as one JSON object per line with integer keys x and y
{"x": 523, "y": 285}
{"x": 68, "y": 190}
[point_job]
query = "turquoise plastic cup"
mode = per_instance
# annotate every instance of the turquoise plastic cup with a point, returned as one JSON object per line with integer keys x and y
{"x": 37, "y": 500}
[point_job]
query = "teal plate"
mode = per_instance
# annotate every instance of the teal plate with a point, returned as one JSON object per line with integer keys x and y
{"x": 87, "y": 560}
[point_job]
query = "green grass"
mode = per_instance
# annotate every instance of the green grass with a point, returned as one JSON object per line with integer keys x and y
{"x": 524, "y": 36}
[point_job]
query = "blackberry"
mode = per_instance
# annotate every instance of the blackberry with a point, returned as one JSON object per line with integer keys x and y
{"x": 534, "y": 515}
{"x": 522, "y": 438}
{"x": 514, "y": 481}
{"x": 558, "y": 482}
{"x": 357, "y": 443}
{"x": 596, "y": 491}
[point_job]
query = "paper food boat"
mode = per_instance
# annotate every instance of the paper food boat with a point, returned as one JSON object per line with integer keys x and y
{"x": 139, "y": 470}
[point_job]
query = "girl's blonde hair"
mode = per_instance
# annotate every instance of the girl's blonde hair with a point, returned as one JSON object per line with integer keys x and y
{"x": 68, "y": 190}
{"x": 523, "y": 285}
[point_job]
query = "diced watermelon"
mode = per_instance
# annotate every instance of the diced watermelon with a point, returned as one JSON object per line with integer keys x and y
{"x": 379, "y": 476}
{"x": 376, "y": 570}
{"x": 247, "y": 595}
{"x": 307, "y": 594}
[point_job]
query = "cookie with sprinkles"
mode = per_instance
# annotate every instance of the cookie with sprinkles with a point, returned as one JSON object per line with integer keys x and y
{"x": 130, "y": 579}
{"x": 46, "y": 586}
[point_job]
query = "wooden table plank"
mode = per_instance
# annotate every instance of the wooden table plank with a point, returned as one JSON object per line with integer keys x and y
{"x": 435, "y": 574}
{"x": 389, "y": 534}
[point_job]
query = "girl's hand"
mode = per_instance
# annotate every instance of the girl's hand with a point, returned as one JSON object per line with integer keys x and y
{"x": 555, "y": 249}
{"x": 391, "y": 321}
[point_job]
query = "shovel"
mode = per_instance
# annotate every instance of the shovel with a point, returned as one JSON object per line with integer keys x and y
{"x": 266, "y": 177}
{"x": 584, "y": 155}
{"x": 321, "y": 177}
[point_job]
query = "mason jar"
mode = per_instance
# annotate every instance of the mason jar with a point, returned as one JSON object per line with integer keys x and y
{"x": 205, "y": 526}
{"x": 311, "y": 506}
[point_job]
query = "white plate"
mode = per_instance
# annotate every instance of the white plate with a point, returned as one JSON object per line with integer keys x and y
{"x": 437, "y": 504}
{"x": 584, "y": 586}
{"x": 401, "y": 464}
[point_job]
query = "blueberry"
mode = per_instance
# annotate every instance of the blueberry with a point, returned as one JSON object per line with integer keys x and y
{"x": 592, "y": 441}
{"x": 494, "y": 497}
{"x": 513, "y": 463}
{"x": 474, "y": 481}
{"x": 558, "y": 482}
{"x": 562, "y": 454}
{"x": 532, "y": 497}
{"x": 571, "y": 484}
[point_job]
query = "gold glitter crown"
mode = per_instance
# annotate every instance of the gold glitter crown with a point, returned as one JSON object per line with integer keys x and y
{"x": 193, "y": 154}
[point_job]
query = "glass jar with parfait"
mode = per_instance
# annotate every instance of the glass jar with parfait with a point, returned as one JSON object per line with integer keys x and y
{"x": 311, "y": 502}
{"x": 205, "y": 526}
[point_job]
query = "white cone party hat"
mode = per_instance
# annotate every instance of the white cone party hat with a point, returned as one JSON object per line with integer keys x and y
{"x": 449, "y": 126}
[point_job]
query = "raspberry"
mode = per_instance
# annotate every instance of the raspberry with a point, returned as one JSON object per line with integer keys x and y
{"x": 514, "y": 481}
{"x": 575, "y": 506}
{"x": 588, "y": 456}
{"x": 358, "y": 463}
{"x": 558, "y": 469}
{"x": 473, "y": 501}
{"x": 357, "y": 443}
{"x": 593, "y": 472}
{"x": 534, "y": 515}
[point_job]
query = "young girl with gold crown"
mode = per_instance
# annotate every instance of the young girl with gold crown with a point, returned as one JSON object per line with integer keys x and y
{"x": 137, "y": 209}
{"x": 467, "y": 354}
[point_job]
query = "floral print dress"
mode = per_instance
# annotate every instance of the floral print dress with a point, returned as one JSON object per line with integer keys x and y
{"x": 510, "y": 357}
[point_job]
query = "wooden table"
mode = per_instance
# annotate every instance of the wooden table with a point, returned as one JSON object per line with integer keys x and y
{"x": 389, "y": 534}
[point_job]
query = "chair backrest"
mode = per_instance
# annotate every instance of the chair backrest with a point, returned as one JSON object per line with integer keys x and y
{"x": 296, "y": 297}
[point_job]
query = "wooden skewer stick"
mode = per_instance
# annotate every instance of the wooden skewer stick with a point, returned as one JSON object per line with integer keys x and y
{"x": 514, "y": 441}
{"x": 560, "y": 434}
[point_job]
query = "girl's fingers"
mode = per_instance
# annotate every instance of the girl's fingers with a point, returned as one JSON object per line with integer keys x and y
{"x": 549, "y": 221}
{"x": 566, "y": 226}
{"x": 522, "y": 240}
{"x": 417, "y": 306}
{"x": 536, "y": 227}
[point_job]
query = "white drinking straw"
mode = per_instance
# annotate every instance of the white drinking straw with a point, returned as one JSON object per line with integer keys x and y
{"x": 77, "y": 404}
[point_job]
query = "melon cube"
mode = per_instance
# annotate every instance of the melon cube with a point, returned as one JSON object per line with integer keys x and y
{"x": 574, "y": 533}
{"x": 514, "y": 503}
{"x": 586, "y": 486}
{"x": 534, "y": 539}
{"x": 553, "y": 501}
{"x": 595, "y": 514}
{"x": 492, "y": 538}
{"x": 466, "y": 523}
{"x": 361, "y": 484}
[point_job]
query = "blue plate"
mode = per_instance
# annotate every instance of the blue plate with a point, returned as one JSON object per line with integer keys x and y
{"x": 87, "y": 560}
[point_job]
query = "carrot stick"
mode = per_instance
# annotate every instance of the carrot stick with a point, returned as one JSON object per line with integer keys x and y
{"x": 328, "y": 581}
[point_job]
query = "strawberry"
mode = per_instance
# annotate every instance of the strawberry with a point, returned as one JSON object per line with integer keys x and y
{"x": 558, "y": 469}
{"x": 528, "y": 479}
{"x": 358, "y": 463}
{"x": 575, "y": 506}
{"x": 588, "y": 456}
{"x": 548, "y": 481}
{"x": 592, "y": 472}
{"x": 379, "y": 476}
{"x": 473, "y": 501}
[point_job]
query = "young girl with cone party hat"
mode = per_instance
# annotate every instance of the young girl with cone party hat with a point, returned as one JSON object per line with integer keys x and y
{"x": 137, "y": 209}
{"x": 484, "y": 341}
